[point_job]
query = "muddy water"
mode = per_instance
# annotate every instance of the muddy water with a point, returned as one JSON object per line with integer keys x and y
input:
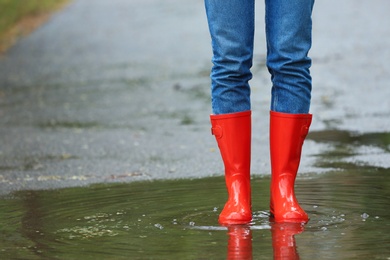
{"x": 349, "y": 210}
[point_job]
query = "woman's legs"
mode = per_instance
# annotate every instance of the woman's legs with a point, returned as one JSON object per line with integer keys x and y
{"x": 231, "y": 25}
{"x": 288, "y": 33}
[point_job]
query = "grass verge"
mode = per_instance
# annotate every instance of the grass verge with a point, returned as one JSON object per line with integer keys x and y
{"x": 20, "y": 17}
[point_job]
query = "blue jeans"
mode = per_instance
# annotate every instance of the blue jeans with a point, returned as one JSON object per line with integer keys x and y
{"x": 288, "y": 34}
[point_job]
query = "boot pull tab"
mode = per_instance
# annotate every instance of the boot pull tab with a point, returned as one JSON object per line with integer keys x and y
{"x": 304, "y": 131}
{"x": 216, "y": 131}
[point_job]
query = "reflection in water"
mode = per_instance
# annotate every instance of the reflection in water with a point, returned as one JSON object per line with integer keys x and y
{"x": 239, "y": 243}
{"x": 32, "y": 224}
{"x": 172, "y": 219}
{"x": 283, "y": 240}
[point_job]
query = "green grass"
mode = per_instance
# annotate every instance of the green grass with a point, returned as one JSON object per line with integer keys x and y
{"x": 14, "y": 11}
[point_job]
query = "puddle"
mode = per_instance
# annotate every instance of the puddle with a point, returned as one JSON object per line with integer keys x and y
{"x": 178, "y": 219}
{"x": 381, "y": 140}
{"x": 351, "y": 148}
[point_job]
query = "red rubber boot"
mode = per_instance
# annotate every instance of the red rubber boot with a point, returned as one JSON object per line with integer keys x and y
{"x": 233, "y": 135}
{"x": 287, "y": 134}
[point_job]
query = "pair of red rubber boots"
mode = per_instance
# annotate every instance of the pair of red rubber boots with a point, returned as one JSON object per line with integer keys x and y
{"x": 287, "y": 134}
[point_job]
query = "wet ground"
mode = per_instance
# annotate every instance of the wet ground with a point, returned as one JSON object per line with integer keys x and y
{"x": 116, "y": 93}
{"x": 177, "y": 220}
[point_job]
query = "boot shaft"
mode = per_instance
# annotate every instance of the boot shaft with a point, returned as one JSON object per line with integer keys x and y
{"x": 233, "y": 135}
{"x": 287, "y": 134}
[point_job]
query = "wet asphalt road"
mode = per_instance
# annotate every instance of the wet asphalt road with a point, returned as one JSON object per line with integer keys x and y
{"x": 119, "y": 91}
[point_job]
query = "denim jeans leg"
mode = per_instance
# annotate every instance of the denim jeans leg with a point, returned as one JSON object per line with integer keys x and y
{"x": 231, "y": 25}
{"x": 288, "y": 33}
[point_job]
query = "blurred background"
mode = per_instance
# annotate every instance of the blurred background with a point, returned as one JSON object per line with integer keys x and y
{"x": 116, "y": 92}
